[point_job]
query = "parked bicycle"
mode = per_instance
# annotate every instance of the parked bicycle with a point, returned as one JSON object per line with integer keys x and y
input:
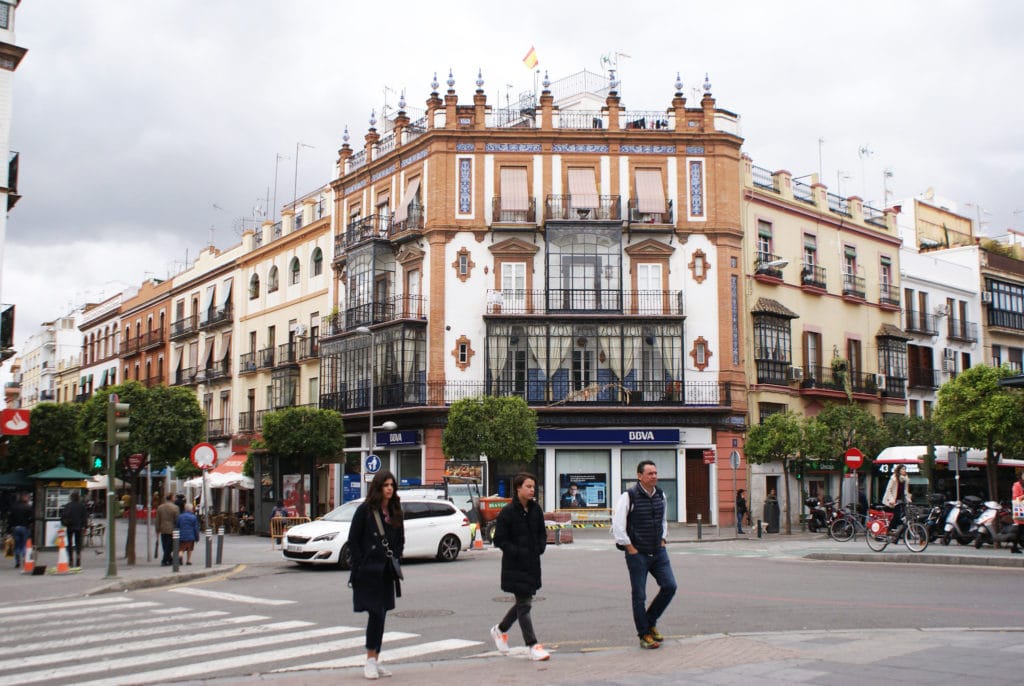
{"x": 848, "y": 525}
{"x": 911, "y": 531}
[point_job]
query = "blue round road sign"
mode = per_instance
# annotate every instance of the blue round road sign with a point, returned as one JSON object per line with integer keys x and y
{"x": 372, "y": 464}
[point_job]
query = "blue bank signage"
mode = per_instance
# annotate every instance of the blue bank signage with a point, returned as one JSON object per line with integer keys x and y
{"x": 398, "y": 438}
{"x": 607, "y": 436}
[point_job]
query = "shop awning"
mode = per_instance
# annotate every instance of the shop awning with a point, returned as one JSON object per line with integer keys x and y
{"x": 402, "y": 211}
{"x": 913, "y": 454}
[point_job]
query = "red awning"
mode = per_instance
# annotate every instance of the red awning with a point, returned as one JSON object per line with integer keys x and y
{"x": 232, "y": 465}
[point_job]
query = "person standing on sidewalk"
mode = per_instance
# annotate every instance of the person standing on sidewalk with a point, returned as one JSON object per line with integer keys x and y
{"x": 741, "y": 510}
{"x": 75, "y": 519}
{"x": 166, "y": 516}
{"x": 188, "y": 531}
{"x": 20, "y": 520}
{"x": 640, "y": 527}
{"x": 522, "y": 537}
{"x": 1018, "y": 498}
{"x": 376, "y": 534}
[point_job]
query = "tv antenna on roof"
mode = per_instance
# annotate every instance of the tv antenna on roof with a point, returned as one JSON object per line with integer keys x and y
{"x": 610, "y": 61}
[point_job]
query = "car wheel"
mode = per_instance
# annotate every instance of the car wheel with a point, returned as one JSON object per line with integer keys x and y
{"x": 449, "y": 547}
{"x": 345, "y": 558}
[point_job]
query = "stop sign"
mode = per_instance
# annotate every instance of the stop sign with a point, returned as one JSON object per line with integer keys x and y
{"x": 854, "y": 458}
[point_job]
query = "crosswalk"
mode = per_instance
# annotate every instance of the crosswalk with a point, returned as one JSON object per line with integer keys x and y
{"x": 122, "y": 640}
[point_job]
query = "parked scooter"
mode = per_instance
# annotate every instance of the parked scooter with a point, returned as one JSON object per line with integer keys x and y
{"x": 960, "y": 519}
{"x": 935, "y": 520}
{"x": 988, "y": 525}
{"x": 821, "y": 514}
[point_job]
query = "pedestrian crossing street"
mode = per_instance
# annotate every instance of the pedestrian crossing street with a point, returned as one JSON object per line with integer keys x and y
{"x": 124, "y": 640}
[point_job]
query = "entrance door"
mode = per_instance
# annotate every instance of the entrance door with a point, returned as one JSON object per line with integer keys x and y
{"x": 698, "y": 491}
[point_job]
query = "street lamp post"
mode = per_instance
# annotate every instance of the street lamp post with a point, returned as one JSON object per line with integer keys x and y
{"x": 387, "y": 426}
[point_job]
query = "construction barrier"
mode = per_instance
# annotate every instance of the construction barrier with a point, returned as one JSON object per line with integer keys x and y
{"x": 28, "y": 565}
{"x": 63, "y": 564}
{"x": 279, "y": 527}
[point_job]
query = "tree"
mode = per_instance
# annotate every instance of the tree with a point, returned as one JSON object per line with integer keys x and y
{"x": 54, "y": 433}
{"x": 303, "y": 434}
{"x": 974, "y": 411}
{"x": 504, "y": 429}
{"x": 840, "y": 427}
{"x": 778, "y": 438}
{"x": 902, "y": 429}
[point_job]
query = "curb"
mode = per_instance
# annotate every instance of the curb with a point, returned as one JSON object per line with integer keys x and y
{"x": 917, "y": 558}
{"x": 160, "y": 581}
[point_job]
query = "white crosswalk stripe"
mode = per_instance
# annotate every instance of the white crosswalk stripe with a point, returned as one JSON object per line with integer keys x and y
{"x": 119, "y": 640}
{"x": 234, "y": 597}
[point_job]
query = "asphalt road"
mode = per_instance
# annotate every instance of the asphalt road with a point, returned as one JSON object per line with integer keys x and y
{"x": 276, "y": 616}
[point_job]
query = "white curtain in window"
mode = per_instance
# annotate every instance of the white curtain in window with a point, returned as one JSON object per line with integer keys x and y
{"x": 561, "y": 346}
{"x": 514, "y": 193}
{"x": 499, "y": 354}
{"x": 609, "y": 338}
{"x": 582, "y": 189}
{"x": 650, "y": 193}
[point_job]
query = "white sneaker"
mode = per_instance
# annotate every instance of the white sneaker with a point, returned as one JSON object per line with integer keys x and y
{"x": 538, "y": 653}
{"x": 382, "y": 670}
{"x": 500, "y": 640}
{"x": 370, "y": 671}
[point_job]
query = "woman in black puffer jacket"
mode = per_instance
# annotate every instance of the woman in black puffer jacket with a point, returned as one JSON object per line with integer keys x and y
{"x": 522, "y": 537}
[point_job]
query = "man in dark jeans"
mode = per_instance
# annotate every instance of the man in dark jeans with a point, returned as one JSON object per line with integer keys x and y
{"x": 20, "y": 521}
{"x": 166, "y": 515}
{"x": 75, "y": 519}
{"x": 640, "y": 527}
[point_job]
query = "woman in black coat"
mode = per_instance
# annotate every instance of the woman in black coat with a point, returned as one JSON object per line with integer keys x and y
{"x": 522, "y": 537}
{"x": 372, "y": 580}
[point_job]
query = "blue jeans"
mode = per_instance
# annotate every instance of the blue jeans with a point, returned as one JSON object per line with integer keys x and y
{"x": 657, "y": 565}
{"x": 20, "y": 538}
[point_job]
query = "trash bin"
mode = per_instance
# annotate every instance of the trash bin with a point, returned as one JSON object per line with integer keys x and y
{"x": 771, "y": 516}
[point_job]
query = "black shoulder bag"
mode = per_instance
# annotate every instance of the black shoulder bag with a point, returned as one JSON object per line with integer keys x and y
{"x": 390, "y": 559}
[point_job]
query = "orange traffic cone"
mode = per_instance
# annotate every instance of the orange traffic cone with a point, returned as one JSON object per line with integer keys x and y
{"x": 62, "y": 555}
{"x": 478, "y": 542}
{"x": 29, "y": 563}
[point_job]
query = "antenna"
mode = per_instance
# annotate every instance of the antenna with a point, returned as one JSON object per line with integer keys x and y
{"x": 864, "y": 152}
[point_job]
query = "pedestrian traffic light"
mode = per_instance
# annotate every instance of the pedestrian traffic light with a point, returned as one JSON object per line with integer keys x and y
{"x": 117, "y": 421}
{"x": 98, "y": 450}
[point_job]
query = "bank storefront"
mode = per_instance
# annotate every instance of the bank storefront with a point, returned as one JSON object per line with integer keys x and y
{"x": 602, "y": 463}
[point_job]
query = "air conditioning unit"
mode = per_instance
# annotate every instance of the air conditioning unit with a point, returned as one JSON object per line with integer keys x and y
{"x": 300, "y": 329}
{"x": 986, "y": 297}
{"x": 796, "y": 374}
{"x": 948, "y": 354}
{"x": 880, "y": 380}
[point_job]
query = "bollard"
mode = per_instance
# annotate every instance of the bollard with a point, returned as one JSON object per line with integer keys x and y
{"x": 209, "y": 548}
{"x": 220, "y": 545}
{"x": 175, "y": 543}
{"x": 699, "y": 523}
{"x": 759, "y": 528}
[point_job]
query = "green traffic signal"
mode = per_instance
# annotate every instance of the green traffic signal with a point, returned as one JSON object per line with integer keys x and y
{"x": 97, "y": 463}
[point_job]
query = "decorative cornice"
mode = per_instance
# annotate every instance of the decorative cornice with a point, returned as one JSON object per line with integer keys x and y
{"x": 512, "y": 147}
{"x": 584, "y": 147}
{"x": 648, "y": 149}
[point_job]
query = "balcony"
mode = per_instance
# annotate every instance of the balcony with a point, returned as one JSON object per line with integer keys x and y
{"x": 129, "y": 347}
{"x": 184, "y": 327}
{"x": 377, "y": 226}
{"x": 309, "y": 348}
{"x": 265, "y": 358}
{"x": 247, "y": 363}
{"x": 220, "y": 369}
{"x": 564, "y": 208}
{"x": 768, "y": 265}
{"x": 151, "y": 339}
{"x": 960, "y": 330}
{"x": 218, "y": 428}
{"x": 246, "y": 422}
{"x": 287, "y": 353}
{"x": 536, "y": 393}
{"x": 829, "y": 379}
{"x": 888, "y": 295}
{"x": 665, "y": 218}
{"x": 216, "y": 316}
{"x": 558, "y": 301}
{"x": 185, "y": 377}
{"x": 258, "y": 421}
{"x": 504, "y": 216}
{"x": 920, "y": 322}
{"x": 411, "y": 226}
{"x": 921, "y": 378}
{"x": 396, "y": 308}
{"x": 46, "y": 396}
{"x": 151, "y": 381}
{"x": 13, "y": 196}
{"x": 813, "y": 276}
{"x": 764, "y": 179}
{"x": 838, "y": 204}
{"x": 854, "y": 286}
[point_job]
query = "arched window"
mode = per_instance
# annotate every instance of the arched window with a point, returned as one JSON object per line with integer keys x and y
{"x": 295, "y": 271}
{"x": 272, "y": 279}
{"x": 318, "y": 262}
{"x": 254, "y": 287}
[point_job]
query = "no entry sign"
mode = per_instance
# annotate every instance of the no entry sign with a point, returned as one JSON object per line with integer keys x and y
{"x": 854, "y": 458}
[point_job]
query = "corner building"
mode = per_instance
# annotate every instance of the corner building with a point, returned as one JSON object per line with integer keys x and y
{"x": 566, "y": 250}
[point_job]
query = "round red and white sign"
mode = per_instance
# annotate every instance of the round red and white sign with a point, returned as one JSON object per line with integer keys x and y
{"x": 854, "y": 458}
{"x": 204, "y": 456}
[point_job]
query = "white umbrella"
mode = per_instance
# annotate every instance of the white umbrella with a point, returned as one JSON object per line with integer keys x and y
{"x": 99, "y": 481}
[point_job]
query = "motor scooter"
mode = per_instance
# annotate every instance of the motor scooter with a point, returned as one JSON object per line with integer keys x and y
{"x": 818, "y": 519}
{"x": 989, "y": 523}
{"x": 960, "y": 518}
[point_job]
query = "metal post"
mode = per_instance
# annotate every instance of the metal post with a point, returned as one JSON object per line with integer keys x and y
{"x": 111, "y": 520}
{"x": 220, "y": 544}
{"x": 149, "y": 503}
{"x": 175, "y": 544}
{"x": 209, "y": 548}
{"x": 759, "y": 528}
{"x": 699, "y": 524}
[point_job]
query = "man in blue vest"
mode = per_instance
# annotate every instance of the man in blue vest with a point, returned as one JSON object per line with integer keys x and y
{"x": 640, "y": 527}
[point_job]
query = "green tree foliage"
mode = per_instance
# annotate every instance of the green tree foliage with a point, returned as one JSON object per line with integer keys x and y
{"x": 839, "y": 427}
{"x": 504, "y": 429}
{"x": 905, "y": 429}
{"x": 53, "y": 433}
{"x": 184, "y": 469}
{"x": 974, "y": 411}
{"x": 779, "y": 438}
{"x": 302, "y": 434}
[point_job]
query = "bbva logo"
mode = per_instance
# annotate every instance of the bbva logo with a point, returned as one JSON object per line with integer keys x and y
{"x": 641, "y": 435}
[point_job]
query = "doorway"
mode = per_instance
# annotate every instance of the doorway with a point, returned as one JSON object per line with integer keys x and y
{"x": 698, "y": 489}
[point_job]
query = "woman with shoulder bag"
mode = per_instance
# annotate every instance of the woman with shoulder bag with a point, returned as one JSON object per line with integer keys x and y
{"x": 376, "y": 540}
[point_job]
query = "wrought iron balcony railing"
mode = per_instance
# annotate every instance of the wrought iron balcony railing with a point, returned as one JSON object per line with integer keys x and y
{"x": 961, "y": 330}
{"x": 813, "y": 275}
{"x": 888, "y": 294}
{"x": 556, "y": 301}
{"x": 920, "y": 322}
{"x": 184, "y": 327}
{"x": 376, "y": 226}
{"x": 565, "y": 207}
{"x": 216, "y": 316}
{"x": 638, "y": 217}
{"x": 265, "y": 358}
{"x": 854, "y": 286}
{"x": 218, "y": 428}
{"x": 505, "y": 216}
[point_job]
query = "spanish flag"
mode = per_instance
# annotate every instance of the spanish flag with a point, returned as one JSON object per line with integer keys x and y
{"x": 531, "y": 58}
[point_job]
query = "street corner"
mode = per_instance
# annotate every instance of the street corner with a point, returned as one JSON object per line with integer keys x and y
{"x": 162, "y": 581}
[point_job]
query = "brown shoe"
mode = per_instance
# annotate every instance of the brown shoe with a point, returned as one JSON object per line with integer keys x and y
{"x": 648, "y": 642}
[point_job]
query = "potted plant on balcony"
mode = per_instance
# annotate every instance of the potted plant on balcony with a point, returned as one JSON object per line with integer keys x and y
{"x": 839, "y": 369}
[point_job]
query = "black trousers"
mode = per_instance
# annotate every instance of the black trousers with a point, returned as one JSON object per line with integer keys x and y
{"x": 167, "y": 543}
{"x": 375, "y": 629}
{"x": 520, "y": 612}
{"x": 75, "y": 547}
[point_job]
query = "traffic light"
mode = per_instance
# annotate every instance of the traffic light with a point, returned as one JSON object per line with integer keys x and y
{"x": 98, "y": 450}
{"x": 117, "y": 421}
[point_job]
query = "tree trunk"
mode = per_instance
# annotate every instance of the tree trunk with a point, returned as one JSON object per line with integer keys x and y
{"x": 991, "y": 464}
{"x": 785, "y": 485}
{"x": 129, "y": 541}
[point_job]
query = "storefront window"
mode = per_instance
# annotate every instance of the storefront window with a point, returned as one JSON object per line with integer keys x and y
{"x": 410, "y": 468}
{"x": 589, "y": 470}
{"x": 667, "y": 480}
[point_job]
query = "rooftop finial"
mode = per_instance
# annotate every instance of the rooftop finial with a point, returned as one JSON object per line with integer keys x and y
{"x": 451, "y": 79}
{"x": 707, "y": 84}
{"x": 480, "y": 79}
{"x": 345, "y": 137}
{"x": 679, "y": 84}
{"x": 434, "y": 85}
{"x": 373, "y": 118}
{"x": 546, "y": 82}
{"x": 401, "y": 100}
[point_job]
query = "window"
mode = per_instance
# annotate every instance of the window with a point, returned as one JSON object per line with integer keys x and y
{"x": 254, "y": 287}
{"x": 513, "y": 287}
{"x": 584, "y": 269}
{"x": 272, "y": 279}
{"x": 892, "y": 361}
{"x": 515, "y": 195}
{"x": 812, "y": 355}
{"x": 295, "y": 271}
{"x": 463, "y": 355}
{"x": 582, "y": 189}
{"x": 810, "y": 252}
{"x": 318, "y": 262}
{"x": 649, "y": 288}
{"x": 853, "y": 356}
{"x": 764, "y": 241}
{"x": 463, "y": 264}
{"x": 772, "y": 348}
{"x": 5, "y": 15}
{"x": 765, "y": 410}
{"x": 650, "y": 194}
{"x": 849, "y": 262}
{"x": 1007, "y": 306}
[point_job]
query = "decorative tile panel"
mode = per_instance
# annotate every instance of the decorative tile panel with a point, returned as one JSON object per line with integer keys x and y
{"x": 465, "y": 147}
{"x": 734, "y": 302}
{"x": 573, "y": 147}
{"x": 357, "y": 186}
{"x": 694, "y": 149}
{"x": 512, "y": 147}
{"x": 648, "y": 149}
{"x": 413, "y": 159}
{"x": 465, "y": 185}
{"x": 696, "y": 188}
{"x": 386, "y": 171}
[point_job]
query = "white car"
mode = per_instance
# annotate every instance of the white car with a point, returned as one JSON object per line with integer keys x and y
{"x": 433, "y": 528}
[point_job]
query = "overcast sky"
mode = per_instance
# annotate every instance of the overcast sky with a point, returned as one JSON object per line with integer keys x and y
{"x": 144, "y": 124}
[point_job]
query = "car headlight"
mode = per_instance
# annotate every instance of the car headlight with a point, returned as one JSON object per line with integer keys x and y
{"x": 326, "y": 537}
